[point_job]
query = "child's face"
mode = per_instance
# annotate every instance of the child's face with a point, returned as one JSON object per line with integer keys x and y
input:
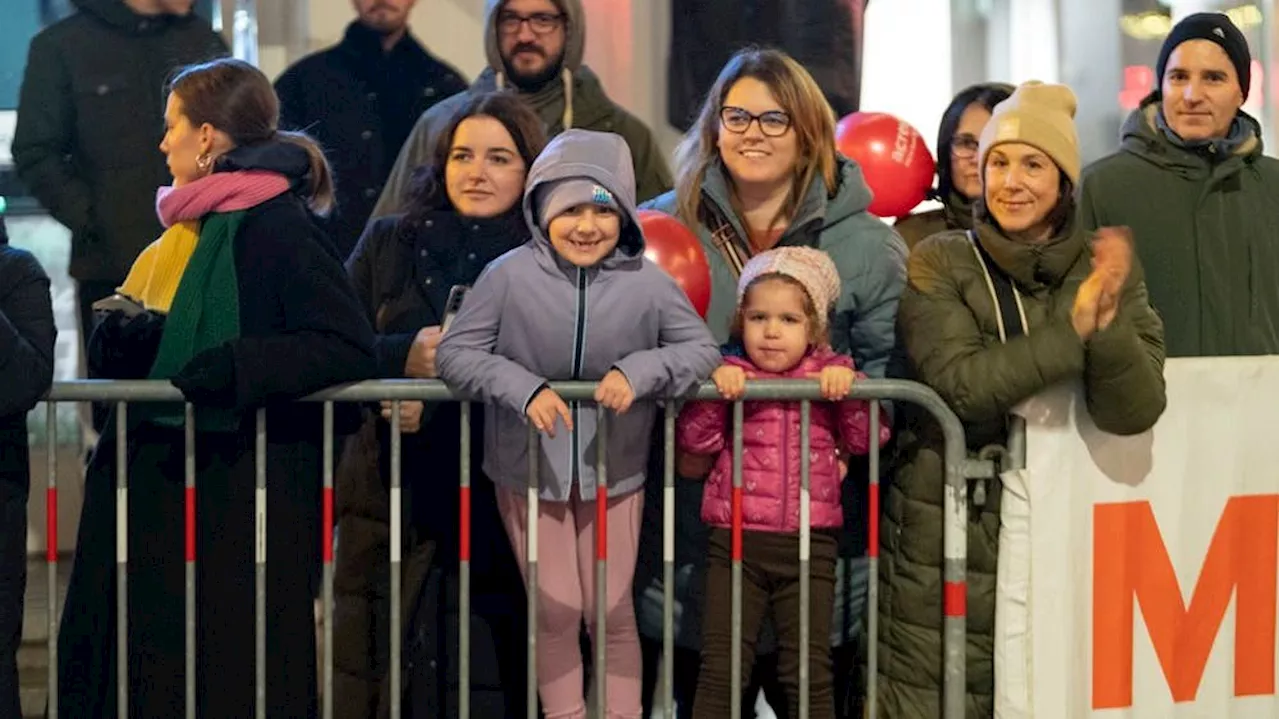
{"x": 775, "y": 326}
{"x": 585, "y": 234}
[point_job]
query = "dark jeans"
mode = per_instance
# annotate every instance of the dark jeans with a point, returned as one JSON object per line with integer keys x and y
{"x": 88, "y": 292}
{"x": 14, "y": 489}
{"x": 685, "y": 681}
{"x": 770, "y": 581}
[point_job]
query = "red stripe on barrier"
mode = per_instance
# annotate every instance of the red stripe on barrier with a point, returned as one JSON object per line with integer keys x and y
{"x": 51, "y": 524}
{"x": 190, "y": 528}
{"x": 327, "y": 532}
{"x": 953, "y": 599}
{"x": 602, "y": 523}
{"x": 873, "y": 521}
{"x": 464, "y": 524}
{"x": 737, "y": 523}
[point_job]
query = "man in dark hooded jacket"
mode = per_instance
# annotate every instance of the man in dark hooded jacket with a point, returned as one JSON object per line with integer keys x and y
{"x": 26, "y": 363}
{"x": 536, "y": 47}
{"x": 1191, "y": 181}
{"x": 90, "y": 120}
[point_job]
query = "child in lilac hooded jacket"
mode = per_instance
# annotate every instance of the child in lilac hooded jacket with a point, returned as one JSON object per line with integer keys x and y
{"x": 534, "y": 317}
{"x": 579, "y": 301}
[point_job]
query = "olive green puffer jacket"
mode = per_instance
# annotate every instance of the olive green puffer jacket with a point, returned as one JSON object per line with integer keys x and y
{"x": 948, "y": 326}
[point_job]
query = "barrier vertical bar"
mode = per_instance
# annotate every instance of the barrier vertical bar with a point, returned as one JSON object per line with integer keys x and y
{"x": 464, "y": 563}
{"x": 189, "y": 568}
{"x": 326, "y": 553}
{"x": 395, "y": 559}
{"x": 873, "y": 559}
{"x": 51, "y": 548}
{"x": 955, "y": 550}
{"x": 735, "y": 612}
{"x": 260, "y": 561}
{"x": 122, "y": 561}
{"x": 805, "y": 539}
{"x": 668, "y": 558}
{"x": 531, "y": 575}
{"x": 602, "y": 557}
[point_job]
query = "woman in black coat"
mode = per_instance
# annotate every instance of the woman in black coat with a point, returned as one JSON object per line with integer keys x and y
{"x": 256, "y": 313}
{"x": 464, "y": 213}
{"x": 26, "y": 363}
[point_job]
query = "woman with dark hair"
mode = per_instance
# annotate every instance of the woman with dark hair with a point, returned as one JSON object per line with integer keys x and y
{"x": 1027, "y": 299}
{"x": 464, "y": 212}
{"x": 241, "y": 304}
{"x": 959, "y": 184}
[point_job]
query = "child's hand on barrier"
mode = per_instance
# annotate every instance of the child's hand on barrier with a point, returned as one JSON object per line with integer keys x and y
{"x": 835, "y": 382}
{"x": 731, "y": 380}
{"x": 614, "y": 392}
{"x": 410, "y": 415}
{"x": 543, "y": 410}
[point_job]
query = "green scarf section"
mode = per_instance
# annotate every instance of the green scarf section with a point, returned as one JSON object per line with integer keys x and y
{"x": 204, "y": 315}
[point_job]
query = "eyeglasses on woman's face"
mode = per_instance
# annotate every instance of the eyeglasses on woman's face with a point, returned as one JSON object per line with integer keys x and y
{"x": 964, "y": 147}
{"x": 773, "y": 123}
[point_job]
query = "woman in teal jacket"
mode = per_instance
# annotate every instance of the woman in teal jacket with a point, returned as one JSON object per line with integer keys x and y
{"x": 758, "y": 170}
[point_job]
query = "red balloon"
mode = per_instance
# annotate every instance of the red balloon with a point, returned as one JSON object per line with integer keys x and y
{"x": 894, "y": 158}
{"x": 678, "y": 250}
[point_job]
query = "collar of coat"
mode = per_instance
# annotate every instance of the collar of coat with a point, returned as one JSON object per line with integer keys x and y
{"x": 1035, "y": 266}
{"x": 365, "y": 45}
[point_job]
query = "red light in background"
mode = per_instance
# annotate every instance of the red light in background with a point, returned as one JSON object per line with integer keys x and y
{"x": 1138, "y": 82}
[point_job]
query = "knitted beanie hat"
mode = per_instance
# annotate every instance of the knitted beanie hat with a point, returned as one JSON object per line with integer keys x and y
{"x": 812, "y": 268}
{"x": 1039, "y": 115}
{"x": 1216, "y": 28}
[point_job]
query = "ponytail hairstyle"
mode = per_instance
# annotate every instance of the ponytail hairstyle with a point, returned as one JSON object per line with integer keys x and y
{"x": 237, "y": 98}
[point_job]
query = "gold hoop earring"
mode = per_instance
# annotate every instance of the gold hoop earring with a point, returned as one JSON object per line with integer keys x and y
{"x": 204, "y": 162}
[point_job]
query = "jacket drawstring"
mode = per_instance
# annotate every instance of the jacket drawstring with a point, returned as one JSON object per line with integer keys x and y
{"x": 566, "y": 77}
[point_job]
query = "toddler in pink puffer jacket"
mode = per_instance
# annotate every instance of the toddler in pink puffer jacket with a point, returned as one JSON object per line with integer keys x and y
{"x": 779, "y": 332}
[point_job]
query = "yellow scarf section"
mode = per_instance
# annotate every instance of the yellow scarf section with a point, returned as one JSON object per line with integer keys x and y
{"x": 153, "y": 279}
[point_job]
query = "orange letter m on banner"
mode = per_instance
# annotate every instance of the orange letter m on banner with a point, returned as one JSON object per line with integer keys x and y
{"x": 1130, "y": 560}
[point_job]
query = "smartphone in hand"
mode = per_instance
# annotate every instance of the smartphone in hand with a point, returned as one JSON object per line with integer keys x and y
{"x": 454, "y": 303}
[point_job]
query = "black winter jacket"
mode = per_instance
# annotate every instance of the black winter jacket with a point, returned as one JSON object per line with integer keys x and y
{"x": 90, "y": 121}
{"x": 360, "y": 103}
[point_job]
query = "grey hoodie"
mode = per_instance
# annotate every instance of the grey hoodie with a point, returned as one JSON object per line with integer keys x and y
{"x": 534, "y": 318}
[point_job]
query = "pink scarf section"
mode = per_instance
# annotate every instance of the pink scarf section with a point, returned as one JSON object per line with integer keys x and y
{"x": 219, "y": 192}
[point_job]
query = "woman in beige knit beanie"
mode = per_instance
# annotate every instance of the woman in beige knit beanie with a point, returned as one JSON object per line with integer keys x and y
{"x": 1025, "y": 300}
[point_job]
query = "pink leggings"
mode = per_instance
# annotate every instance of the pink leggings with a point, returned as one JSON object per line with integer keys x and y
{"x": 566, "y": 595}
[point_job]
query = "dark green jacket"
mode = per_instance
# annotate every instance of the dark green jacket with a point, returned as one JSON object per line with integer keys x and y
{"x": 955, "y": 214}
{"x": 1206, "y": 233}
{"x": 947, "y": 323}
{"x": 90, "y": 121}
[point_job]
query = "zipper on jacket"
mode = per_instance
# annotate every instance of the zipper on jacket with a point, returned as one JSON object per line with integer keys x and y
{"x": 579, "y": 347}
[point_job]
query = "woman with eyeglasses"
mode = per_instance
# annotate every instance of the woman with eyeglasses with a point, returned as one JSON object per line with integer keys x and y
{"x": 757, "y": 170}
{"x": 959, "y": 183}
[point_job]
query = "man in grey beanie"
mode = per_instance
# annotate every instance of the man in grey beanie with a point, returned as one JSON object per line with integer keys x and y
{"x": 535, "y": 48}
{"x": 1191, "y": 181}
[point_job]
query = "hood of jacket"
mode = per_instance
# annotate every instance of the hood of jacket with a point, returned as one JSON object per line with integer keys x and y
{"x": 274, "y": 155}
{"x": 602, "y": 157}
{"x": 118, "y": 15}
{"x": 575, "y": 39}
{"x": 816, "y": 208}
{"x": 1140, "y": 136}
{"x": 1035, "y": 266}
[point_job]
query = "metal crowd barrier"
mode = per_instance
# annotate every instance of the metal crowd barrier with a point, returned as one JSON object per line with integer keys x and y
{"x": 958, "y": 469}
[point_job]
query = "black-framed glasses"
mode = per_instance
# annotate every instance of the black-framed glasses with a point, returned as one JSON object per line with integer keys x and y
{"x": 540, "y": 23}
{"x": 964, "y": 147}
{"x": 773, "y": 123}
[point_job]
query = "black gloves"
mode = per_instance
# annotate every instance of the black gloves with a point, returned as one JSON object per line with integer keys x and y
{"x": 210, "y": 378}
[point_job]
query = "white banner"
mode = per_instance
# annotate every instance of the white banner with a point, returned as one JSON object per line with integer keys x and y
{"x": 1152, "y": 559}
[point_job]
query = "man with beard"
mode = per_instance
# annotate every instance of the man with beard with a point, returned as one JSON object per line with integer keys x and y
{"x": 360, "y": 99}
{"x": 536, "y": 47}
